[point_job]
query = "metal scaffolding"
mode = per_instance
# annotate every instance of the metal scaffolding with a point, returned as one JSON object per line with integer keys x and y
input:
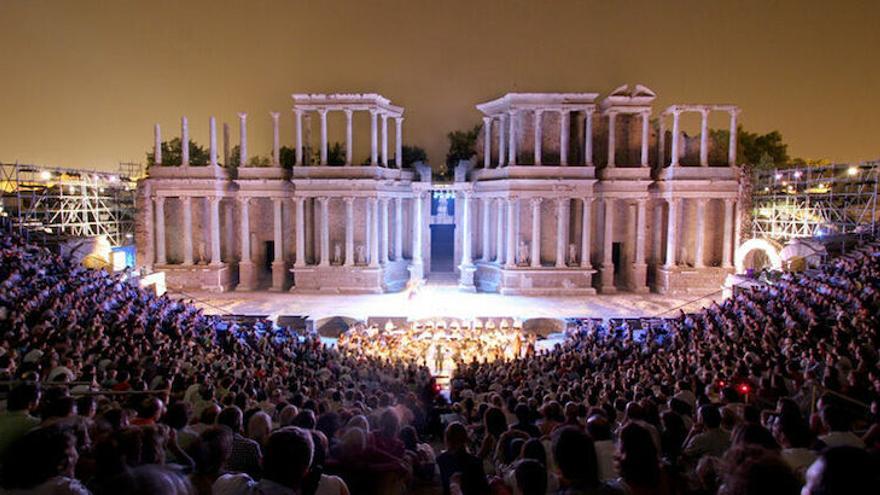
{"x": 815, "y": 201}
{"x": 51, "y": 205}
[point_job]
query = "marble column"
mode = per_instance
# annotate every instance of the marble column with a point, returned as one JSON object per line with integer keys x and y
{"x": 727, "y": 243}
{"x": 299, "y": 137}
{"x": 484, "y": 205}
{"x": 398, "y": 142}
{"x": 279, "y": 267}
{"x": 385, "y": 140}
{"x": 368, "y": 232}
{"x": 466, "y": 230}
{"x": 157, "y": 144}
{"x": 511, "y": 139}
{"x": 212, "y": 147}
{"x": 646, "y": 134}
{"x": 499, "y": 231}
{"x": 704, "y": 137}
{"x": 374, "y": 232}
{"x": 737, "y": 227}
{"x": 149, "y": 228}
{"x": 300, "y": 232}
{"x": 276, "y": 140}
{"x": 561, "y": 234}
{"x": 588, "y": 137}
{"x": 586, "y": 233}
{"x": 242, "y": 137}
{"x": 676, "y": 114}
{"x": 538, "y": 136}
{"x": 246, "y": 273}
{"x": 160, "y": 230}
{"x": 184, "y": 141}
{"x": 639, "y": 277}
{"x": 536, "y": 232}
{"x": 226, "y": 148}
{"x": 731, "y": 147}
{"x": 187, "y": 230}
{"x": 671, "y": 232}
{"x": 608, "y": 248}
{"x": 512, "y": 205}
{"x": 398, "y": 229}
{"x": 564, "y": 129}
{"x": 661, "y": 143}
{"x": 700, "y": 234}
{"x": 349, "y": 231}
{"x": 487, "y": 142}
{"x": 612, "y": 138}
{"x": 657, "y": 238}
{"x": 322, "y": 113}
{"x": 417, "y": 267}
{"x": 502, "y": 142}
{"x": 215, "y": 230}
{"x": 383, "y": 218}
{"x": 349, "y": 144}
{"x": 374, "y": 139}
{"x": 325, "y": 231}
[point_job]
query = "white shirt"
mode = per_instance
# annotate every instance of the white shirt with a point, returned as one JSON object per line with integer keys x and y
{"x": 842, "y": 438}
{"x": 605, "y": 451}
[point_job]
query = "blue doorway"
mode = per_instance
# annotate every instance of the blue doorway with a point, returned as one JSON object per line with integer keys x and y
{"x": 442, "y": 248}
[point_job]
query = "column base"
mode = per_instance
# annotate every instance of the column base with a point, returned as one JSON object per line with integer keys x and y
{"x": 279, "y": 276}
{"x": 466, "y": 278}
{"x": 247, "y": 276}
{"x": 416, "y": 271}
{"x": 638, "y": 278}
{"x": 606, "y": 280}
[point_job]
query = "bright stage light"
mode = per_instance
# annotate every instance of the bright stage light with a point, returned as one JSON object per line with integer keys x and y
{"x": 797, "y": 174}
{"x": 777, "y": 176}
{"x": 852, "y": 171}
{"x": 45, "y": 175}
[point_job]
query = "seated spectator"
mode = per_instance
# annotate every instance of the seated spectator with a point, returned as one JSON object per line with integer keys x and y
{"x": 753, "y": 470}
{"x": 16, "y": 421}
{"x": 43, "y": 462}
{"x": 600, "y": 432}
{"x": 576, "y": 460}
{"x": 457, "y": 461}
{"x": 842, "y": 470}
{"x": 210, "y": 452}
{"x": 288, "y": 457}
{"x": 246, "y": 455}
{"x": 837, "y": 424}
{"x": 638, "y": 464}
{"x": 706, "y": 437}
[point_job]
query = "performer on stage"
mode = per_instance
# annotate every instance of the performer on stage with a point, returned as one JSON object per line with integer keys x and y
{"x": 412, "y": 289}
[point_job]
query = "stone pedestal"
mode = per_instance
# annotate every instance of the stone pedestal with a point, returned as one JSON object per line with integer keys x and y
{"x": 528, "y": 281}
{"x": 638, "y": 278}
{"x": 466, "y": 279}
{"x": 336, "y": 279}
{"x": 212, "y": 278}
{"x": 247, "y": 276}
{"x": 279, "y": 276}
{"x": 685, "y": 280}
{"x": 607, "y": 279}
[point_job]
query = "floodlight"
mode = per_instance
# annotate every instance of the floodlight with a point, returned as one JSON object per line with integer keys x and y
{"x": 45, "y": 175}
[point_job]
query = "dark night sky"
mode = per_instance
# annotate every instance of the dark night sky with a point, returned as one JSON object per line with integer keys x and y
{"x": 83, "y": 81}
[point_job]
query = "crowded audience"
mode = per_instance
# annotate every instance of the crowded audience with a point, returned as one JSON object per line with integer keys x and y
{"x": 111, "y": 389}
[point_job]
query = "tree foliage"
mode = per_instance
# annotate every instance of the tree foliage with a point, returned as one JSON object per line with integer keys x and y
{"x": 462, "y": 145}
{"x": 412, "y": 154}
{"x": 172, "y": 154}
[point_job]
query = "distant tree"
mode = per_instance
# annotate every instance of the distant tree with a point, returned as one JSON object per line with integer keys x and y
{"x": 336, "y": 154}
{"x": 172, "y": 154}
{"x": 287, "y": 156}
{"x": 412, "y": 154}
{"x": 462, "y": 145}
{"x": 752, "y": 147}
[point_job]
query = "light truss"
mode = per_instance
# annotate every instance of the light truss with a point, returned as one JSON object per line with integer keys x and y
{"x": 51, "y": 205}
{"x": 815, "y": 201}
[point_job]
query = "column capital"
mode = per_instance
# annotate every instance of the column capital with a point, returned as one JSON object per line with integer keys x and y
{"x": 487, "y": 120}
{"x": 399, "y": 119}
{"x": 244, "y": 200}
{"x": 348, "y": 112}
{"x": 384, "y": 116}
{"x": 274, "y": 115}
{"x": 535, "y": 201}
{"x": 299, "y": 112}
{"x": 539, "y": 112}
{"x": 499, "y": 201}
{"x": 588, "y": 200}
{"x": 673, "y": 201}
{"x": 242, "y": 116}
{"x": 512, "y": 112}
{"x": 323, "y": 112}
{"x": 278, "y": 198}
{"x": 561, "y": 201}
{"x": 734, "y": 112}
{"x": 374, "y": 111}
{"x": 373, "y": 201}
{"x": 384, "y": 200}
{"x": 186, "y": 198}
{"x": 348, "y": 200}
{"x": 215, "y": 199}
{"x": 704, "y": 112}
{"x": 702, "y": 201}
{"x": 299, "y": 200}
{"x": 322, "y": 199}
{"x": 729, "y": 201}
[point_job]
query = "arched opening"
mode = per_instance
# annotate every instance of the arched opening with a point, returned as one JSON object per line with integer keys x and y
{"x": 757, "y": 254}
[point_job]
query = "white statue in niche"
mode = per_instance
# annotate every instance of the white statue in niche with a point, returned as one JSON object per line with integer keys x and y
{"x": 203, "y": 259}
{"x": 524, "y": 253}
{"x": 360, "y": 255}
{"x": 337, "y": 254}
{"x": 572, "y": 254}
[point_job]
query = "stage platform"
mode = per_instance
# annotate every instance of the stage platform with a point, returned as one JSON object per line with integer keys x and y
{"x": 444, "y": 300}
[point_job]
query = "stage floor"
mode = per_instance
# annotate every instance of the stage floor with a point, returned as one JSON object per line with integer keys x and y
{"x": 435, "y": 300}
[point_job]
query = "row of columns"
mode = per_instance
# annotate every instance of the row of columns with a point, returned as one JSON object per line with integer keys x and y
{"x": 375, "y": 156}
{"x": 507, "y": 137}
{"x": 612, "y": 136}
{"x": 704, "y": 137}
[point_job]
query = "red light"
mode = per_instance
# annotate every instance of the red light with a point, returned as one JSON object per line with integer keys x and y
{"x": 721, "y": 383}
{"x": 744, "y": 388}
